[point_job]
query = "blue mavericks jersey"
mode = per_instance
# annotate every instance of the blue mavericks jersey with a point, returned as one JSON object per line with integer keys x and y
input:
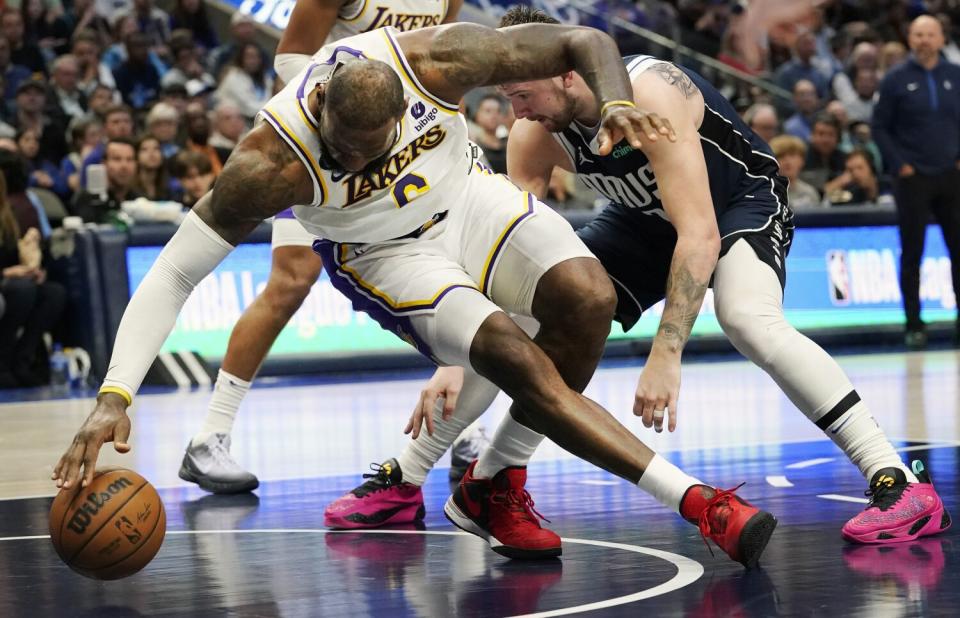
{"x": 749, "y": 195}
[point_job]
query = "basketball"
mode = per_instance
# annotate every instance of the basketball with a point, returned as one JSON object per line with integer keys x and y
{"x": 111, "y": 528}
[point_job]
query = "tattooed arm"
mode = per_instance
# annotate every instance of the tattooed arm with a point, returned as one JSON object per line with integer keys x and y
{"x": 453, "y": 59}
{"x": 684, "y": 187}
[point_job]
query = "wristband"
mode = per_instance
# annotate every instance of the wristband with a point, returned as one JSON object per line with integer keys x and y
{"x": 117, "y": 391}
{"x": 609, "y": 104}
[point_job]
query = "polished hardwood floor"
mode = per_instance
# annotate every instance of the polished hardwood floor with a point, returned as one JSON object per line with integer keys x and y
{"x": 267, "y": 554}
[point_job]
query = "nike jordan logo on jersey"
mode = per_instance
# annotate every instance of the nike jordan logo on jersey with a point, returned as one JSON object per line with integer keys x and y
{"x": 362, "y": 186}
{"x": 401, "y": 21}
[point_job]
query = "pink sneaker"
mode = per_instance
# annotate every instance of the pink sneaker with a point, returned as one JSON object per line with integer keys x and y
{"x": 899, "y": 511}
{"x": 383, "y": 499}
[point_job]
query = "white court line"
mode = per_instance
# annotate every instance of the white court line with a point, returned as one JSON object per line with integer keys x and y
{"x": 779, "y": 481}
{"x": 810, "y": 462}
{"x": 840, "y": 498}
{"x": 688, "y": 571}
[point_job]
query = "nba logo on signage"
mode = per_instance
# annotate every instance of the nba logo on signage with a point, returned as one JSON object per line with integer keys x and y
{"x": 839, "y": 276}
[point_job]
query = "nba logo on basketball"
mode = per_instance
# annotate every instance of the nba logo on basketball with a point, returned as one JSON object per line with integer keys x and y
{"x": 839, "y": 276}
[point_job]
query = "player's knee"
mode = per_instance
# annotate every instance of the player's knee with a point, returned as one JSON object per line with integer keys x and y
{"x": 755, "y": 332}
{"x": 286, "y": 292}
{"x": 579, "y": 297}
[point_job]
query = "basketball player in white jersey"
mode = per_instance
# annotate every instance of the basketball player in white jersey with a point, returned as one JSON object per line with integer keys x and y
{"x": 367, "y": 145}
{"x": 295, "y": 266}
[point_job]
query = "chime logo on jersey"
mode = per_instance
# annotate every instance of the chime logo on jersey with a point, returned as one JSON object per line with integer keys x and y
{"x": 361, "y": 186}
{"x": 402, "y": 21}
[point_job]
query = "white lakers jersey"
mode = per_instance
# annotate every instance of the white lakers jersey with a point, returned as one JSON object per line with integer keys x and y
{"x": 423, "y": 176}
{"x": 358, "y": 16}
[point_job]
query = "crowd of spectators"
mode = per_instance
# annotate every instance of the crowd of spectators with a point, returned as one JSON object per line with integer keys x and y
{"x": 112, "y": 112}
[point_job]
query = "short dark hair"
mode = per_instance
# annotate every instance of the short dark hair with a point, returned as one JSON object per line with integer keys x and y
{"x": 119, "y": 108}
{"x": 828, "y": 119}
{"x": 524, "y": 14}
{"x": 860, "y": 151}
{"x": 365, "y": 94}
{"x": 123, "y": 141}
{"x": 185, "y": 159}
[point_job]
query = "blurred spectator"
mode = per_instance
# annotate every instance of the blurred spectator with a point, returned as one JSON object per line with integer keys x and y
{"x": 87, "y": 49}
{"x": 864, "y": 56}
{"x": 86, "y": 135}
{"x": 153, "y": 175}
{"x": 117, "y": 124}
{"x": 120, "y": 161}
{"x": 865, "y": 84}
{"x": 800, "y": 67}
{"x": 762, "y": 120}
{"x": 22, "y": 52}
{"x": 163, "y": 122}
{"x": 950, "y": 49}
{"x": 702, "y": 23}
{"x": 806, "y": 103}
{"x": 791, "y": 152}
{"x": 186, "y": 66}
{"x": 892, "y": 20}
{"x": 42, "y": 172}
{"x": 831, "y": 64}
{"x": 489, "y": 133}
{"x": 83, "y": 17}
{"x": 101, "y": 100}
{"x": 862, "y": 137}
{"x": 195, "y": 174}
{"x": 45, "y": 28}
{"x": 175, "y": 95}
{"x": 891, "y": 54}
{"x": 152, "y": 22}
{"x": 71, "y": 102}
{"x": 123, "y": 26}
{"x": 192, "y": 14}
{"x": 228, "y": 126}
{"x": 839, "y": 113}
{"x": 246, "y": 83}
{"x": 31, "y": 105}
{"x": 825, "y": 161}
{"x": 198, "y": 137}
{"x": 12, "y": 73}
{"x": 859, "y": 183}
{"x": 242, "y": 31}
{"x": 33, "y": 305}
{"x": 916, "y": 123}
{"x": 137, "y": 78}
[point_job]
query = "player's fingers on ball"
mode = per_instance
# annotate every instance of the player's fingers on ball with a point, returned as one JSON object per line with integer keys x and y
{"x": 89, "y": 465}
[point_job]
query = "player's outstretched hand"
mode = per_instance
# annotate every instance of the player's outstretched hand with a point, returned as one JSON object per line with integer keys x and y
{"x": 657, "y": 393}
{"x": 107, "y": 423}
{"x": 443, "y": 388}
{"x": 633, "y": 124}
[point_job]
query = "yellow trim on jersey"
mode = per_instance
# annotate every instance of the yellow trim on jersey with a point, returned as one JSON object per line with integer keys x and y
{"x": 443, "y": 106}
{"x": 383, "y": 295}
{"x": 317, "y": 174}
{"x": 363, "y": 8}
{"x": 495, "y": 249}
{"x": 116, "y": 390}
{"x": 446, "y": 8}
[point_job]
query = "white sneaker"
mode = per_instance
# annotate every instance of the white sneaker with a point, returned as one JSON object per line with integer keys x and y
{"x": 210, "y": 466}
{"x": 466, "y": 448}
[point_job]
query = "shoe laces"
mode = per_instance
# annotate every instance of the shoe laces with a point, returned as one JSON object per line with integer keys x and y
{"x": 883, "y": 495}
{"x": 518, "y": 501}
{"x": 378, "y": 480}
{"x": 221, "y": 455}
{"x": 721, "y": 498}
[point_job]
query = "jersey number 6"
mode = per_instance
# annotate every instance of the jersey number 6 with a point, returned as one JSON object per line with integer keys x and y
{"x": 409, "y": 188}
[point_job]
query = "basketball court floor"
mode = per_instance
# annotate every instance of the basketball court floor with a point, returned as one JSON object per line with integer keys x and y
{"x": 267, "y": 554}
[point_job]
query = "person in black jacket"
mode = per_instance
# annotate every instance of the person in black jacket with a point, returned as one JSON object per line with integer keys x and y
{"x": 916, "y": 123}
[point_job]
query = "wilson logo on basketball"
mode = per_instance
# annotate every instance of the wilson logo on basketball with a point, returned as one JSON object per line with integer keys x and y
{"x": 91, "y": 506}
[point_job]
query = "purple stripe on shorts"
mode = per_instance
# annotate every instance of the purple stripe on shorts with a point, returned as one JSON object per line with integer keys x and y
{"x": 364, "y": 301}
{"x": 485, "y": 284}
{"x": 285, "y": 214}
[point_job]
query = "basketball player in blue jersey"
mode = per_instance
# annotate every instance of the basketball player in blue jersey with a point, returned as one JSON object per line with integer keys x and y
{"x": 295, "y": 267}
{"x": 710, "y": 208}
{"x": 367, "y": 144}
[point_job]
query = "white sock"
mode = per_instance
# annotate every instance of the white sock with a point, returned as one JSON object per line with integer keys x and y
{"x": 422, "y": 454}
{"x": 513, "y": 444}
{"x": 666, "y": 482}
{"x": 228, "y": 393}
{"x": 851, "y": 427}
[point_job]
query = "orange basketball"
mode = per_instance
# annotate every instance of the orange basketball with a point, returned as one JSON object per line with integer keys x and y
{"x": 111, "y": 528}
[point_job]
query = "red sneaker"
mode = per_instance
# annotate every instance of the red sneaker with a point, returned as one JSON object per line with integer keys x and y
{"x": 500, "y": 511}
{"x": 736, "y": 526}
